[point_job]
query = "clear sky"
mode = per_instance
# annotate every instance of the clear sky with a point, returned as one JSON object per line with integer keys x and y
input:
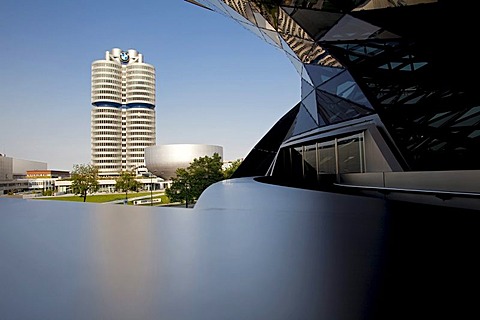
{"x": 217, "y": 83}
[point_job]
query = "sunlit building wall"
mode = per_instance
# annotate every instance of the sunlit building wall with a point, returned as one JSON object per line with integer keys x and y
{"x": 6, "y": 168}
{"x": 123, "y": 111}
{"x": 21, "y": 166}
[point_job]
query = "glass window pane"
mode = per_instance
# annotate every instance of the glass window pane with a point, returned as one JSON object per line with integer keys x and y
{"x": 297, "y": 163}
{"x": 310, "y": 163}
{"x": 309, "y": 156}
{"x": 326, "y": 158}
{"x": 350, "y": 155}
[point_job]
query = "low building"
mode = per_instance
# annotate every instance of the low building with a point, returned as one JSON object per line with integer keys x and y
{"x": 11, "y": 170}
{"x": 44, "y": 180}
{"x": 150, "y": 183}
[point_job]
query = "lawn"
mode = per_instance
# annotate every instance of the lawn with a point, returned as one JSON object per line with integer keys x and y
{"x": 101, "y": 198}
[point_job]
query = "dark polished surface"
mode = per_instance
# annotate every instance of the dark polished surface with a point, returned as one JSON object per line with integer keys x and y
{"x": 333, "y": 257}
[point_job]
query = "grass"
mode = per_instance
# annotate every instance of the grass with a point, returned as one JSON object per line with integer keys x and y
{"x": 102, "y": 198}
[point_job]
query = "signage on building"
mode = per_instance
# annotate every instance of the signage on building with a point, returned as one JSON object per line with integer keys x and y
{"x": 124, "y": 57}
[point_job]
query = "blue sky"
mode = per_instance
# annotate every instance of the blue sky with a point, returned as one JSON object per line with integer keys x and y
{"x": 217, "y": 83}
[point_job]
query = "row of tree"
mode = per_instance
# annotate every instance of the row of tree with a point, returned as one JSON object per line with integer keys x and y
{"x": 186, "y": 187}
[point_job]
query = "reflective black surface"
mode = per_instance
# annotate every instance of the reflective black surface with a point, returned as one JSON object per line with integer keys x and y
{"x": 316, "y": 255}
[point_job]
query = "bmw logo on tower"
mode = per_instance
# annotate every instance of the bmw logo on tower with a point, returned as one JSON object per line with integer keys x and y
{"x": 124, "y": 56}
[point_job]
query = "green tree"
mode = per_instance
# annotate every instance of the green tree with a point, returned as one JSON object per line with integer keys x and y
{"x": 179, "y": 190}
{"x": 230, "y": 170}
{"x": 126, "y": 182}
{"x": 205, "y": 171}
{"x": 84, "y": 180}
{"x": 189, "y": 183}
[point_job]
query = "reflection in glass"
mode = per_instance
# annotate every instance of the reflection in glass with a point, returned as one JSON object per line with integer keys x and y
{"x": 304, "y": 122}
{"x": 334, "y": 109}
{"x": 310, "y": 104}
{"x": 350, "y": 28}
{"x": 307, "y": 88}
{"x": 310, "y": 162}
{"x": 253, "y": 29}
{"x": 321, "y": 74}
{"x": 344, "y": 86}
{"x": 351, "y": 155}
{"x": 306, "y": 163}
{"x": 468, "y": 118}
{"x": 272, "y": 38}
{"x": 326, "y": 158}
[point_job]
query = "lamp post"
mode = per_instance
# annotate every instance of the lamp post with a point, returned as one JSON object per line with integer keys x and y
{"x": 151, "y": 190}
{"x": 187, "y": 191}
{"x": 151, "y": 184}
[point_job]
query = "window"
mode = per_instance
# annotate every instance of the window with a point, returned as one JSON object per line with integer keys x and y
{"x": 307, "y": 162}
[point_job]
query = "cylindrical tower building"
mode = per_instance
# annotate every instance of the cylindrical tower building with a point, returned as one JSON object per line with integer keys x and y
{"x": 123, "y": 112}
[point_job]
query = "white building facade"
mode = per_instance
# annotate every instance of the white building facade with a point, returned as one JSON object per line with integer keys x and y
{"x": 123, "y": 112}
{"x": 13, "y": 173}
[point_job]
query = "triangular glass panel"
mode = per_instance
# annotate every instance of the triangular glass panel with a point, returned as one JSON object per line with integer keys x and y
{"x": 385, "y": 66}
{"x": 288, "y": 10}
{"x": 304, "y": 122}
{"x": 253, "y": 29}
{"x": 220, "y": 7}
{"x": 350, "y": 28}
{"x": 261, "y": 21}
{"x": 418, "y": 65}
{"x": 390, "y": 100}
{"x": 293, "y": 113}
{"x": 320, "y": 74}
{"x": 418, "y": 96}
{"x": 305, "y": 76}
{"x": 310, "y": 103}
{"x": 353, "y": 57}
{"x": 470, "y": 112}
{"x": 203, "y": 4}
{"x": 272, "y": 37}
{"x": 244, "y": 9}
{"x": 235, "y": 15}
{"x": 468, "y": 122}
{"x": 290, "y": 131}
{"x": 407, "y": 94}
{"x": 344, "y": 46}
{"x": 307, "y": 88}
{"x": 360, "y": 49}
{"x": 314, "y": 22}
{"x": 335, "y": 109}
{"x": 297, "y": 64}
{"x": 287, "y": 48}
{"x": 395, "y": 65}
{"x": 440, "y": 119}
{"x": 305, "y": 50}
{"x": 372, "y": 51}
{"x": 344, "y": 86}
{"x": 474, "y": 134}
{"x": 436, "y": 145}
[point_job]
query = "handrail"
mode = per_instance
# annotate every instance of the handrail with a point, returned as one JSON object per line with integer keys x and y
{"x": 438, "y": 193}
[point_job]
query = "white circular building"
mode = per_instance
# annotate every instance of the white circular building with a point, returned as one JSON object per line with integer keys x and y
{"x": 164, "y": 160}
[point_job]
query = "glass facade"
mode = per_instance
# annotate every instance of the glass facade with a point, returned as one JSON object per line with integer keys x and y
{"x": 360, "y": 59}
{"x": 308, "y": 162}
